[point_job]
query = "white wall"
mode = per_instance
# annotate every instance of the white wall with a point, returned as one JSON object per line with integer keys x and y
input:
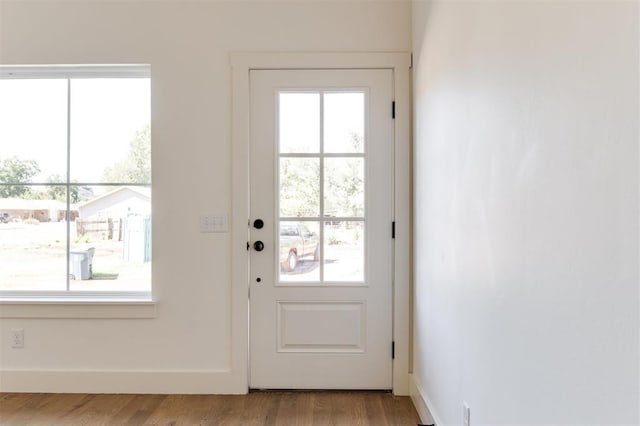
{"x": 188, "y": 46}
{"x": 526, "y": 211}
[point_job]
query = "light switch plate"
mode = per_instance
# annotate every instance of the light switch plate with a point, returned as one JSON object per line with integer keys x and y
{"x": 17, "y": 337}
{"x": 214, "y": 222}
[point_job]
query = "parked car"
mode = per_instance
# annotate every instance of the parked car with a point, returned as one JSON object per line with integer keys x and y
{"x": 5, "y": 217}
{"x": 296, "y": 241}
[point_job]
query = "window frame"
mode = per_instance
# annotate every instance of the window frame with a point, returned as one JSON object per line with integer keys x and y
{"x": 13, "y": 302}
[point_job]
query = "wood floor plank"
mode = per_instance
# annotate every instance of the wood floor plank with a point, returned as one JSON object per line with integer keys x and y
{"x": 295, "y": 409}
{"x": 46, "y": 410}
{"x": 137, "y": 410}
{"x": 321, "y": 410}
{"x": 398, "y": 411}
{"x": 231, "y": 406}
{"x": 13, "y": 401}
{"x": 218, "y": 409}
{"x": 96, "y": 410}
{"x": 232, "y": 410}
{"x": 171, "y": 411}
{"x": 261, "y": 409}
{"x": 376, "y": 415}
{"x": 287, "y": 408}
{"x": 198, "y": 409}
{"x": 347, "y": 408}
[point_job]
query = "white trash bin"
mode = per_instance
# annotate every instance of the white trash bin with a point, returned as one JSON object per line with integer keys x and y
{"x": 81, "y": 263}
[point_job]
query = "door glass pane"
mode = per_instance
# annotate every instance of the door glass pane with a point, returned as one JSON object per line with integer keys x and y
{"x": 299, "y": 122}
{"x": 344, "y": 251}
{"x": 344, "y": 187}
{"x": 299, "y": 251}
{"x": 300, "y": 246}
{"x": 344, "y": 115}
{"x": 299, "y": 187}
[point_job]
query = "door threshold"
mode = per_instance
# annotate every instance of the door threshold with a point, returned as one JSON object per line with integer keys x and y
{"x": 253, "y": 390}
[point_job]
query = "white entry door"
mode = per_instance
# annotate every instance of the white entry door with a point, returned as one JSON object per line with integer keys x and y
{"x": 321, "y": 206}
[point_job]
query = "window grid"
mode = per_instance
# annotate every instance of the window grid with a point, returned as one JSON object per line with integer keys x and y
{"x": 321, "y": 219}
{"x": 68, "y": 74}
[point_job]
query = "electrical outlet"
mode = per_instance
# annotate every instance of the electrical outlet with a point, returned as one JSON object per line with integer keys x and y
{"x": 466, "y": 413}
{"x": 17, "y": 337}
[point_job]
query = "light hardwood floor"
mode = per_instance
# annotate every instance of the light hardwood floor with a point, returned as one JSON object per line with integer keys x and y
{"x": 259, "y": 408}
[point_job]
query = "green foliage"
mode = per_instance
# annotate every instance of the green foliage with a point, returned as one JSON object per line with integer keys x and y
{"x": 136, "y": 167}
{"x": 343, "y": 185}
{"x": 15, "y": 170}
{"x": 60, "y": 192}
{"x": 299, "y": 187}
{"x": 332, "y": 239}
{"x": 83, "y": 239}
{"x": 56, "y": 192}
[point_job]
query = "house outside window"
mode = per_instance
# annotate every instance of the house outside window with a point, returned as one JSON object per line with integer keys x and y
{"x": 75, "y": 181}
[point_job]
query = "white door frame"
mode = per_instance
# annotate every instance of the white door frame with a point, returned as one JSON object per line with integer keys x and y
{"x": 241, "y": 64}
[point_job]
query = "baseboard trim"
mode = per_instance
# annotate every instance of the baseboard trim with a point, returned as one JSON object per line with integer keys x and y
{"x": 421, "y": 402}
{"x": 135, "y": 382}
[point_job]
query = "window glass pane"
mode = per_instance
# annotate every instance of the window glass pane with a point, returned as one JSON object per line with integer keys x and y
{"x": 107, "y": 123}
{"x": 344, "y": 122}
{"x": 344, "y": 187}
{"x": 33, "y": 133}
{"x": 299, "y": 187}
{"x": 111, "y": 248}
{"x": 299, "y": 251}
{"x": 299, "y": 123}
{"x": 33, "y": 242}
{"x": 110, "y": 136}
{"x": 344, "y": 251}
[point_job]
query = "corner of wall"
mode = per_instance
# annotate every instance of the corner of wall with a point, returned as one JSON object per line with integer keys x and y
{"x": 421, "y": 402}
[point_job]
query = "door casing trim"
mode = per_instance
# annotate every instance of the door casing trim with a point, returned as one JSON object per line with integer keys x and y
{"x": 241, "y": 64}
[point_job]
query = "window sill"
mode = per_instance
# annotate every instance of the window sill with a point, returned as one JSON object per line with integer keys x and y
{"x": 77, "y": 308}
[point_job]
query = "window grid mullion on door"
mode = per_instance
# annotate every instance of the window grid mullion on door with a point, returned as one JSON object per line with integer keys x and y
{"x": 321, "y": 219}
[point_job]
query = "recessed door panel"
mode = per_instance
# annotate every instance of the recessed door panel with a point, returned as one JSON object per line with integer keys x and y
{"x": 321, "y": 327}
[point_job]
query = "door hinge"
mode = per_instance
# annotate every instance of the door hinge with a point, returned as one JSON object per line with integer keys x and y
{"x": 393, "y": 350}
{"x": 393, "y": 229}
{"x": 393, "y": 109}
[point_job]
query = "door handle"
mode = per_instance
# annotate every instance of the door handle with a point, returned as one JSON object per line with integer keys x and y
{"x": 258, "y": 246}
{"x": 258, "y": 223}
